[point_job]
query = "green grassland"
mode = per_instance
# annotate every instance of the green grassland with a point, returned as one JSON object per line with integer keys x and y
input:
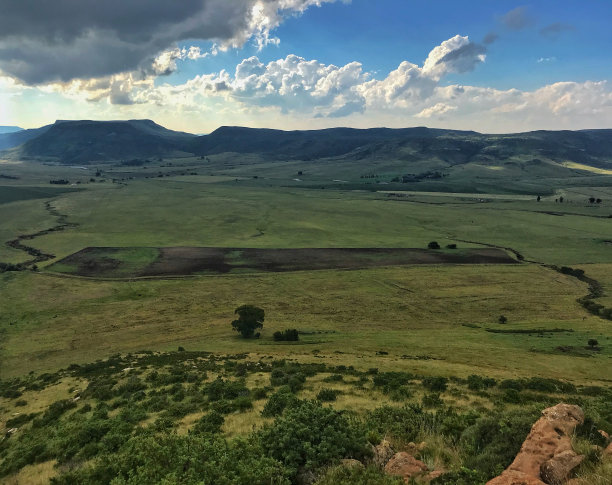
{"x": 408, "y": 312}
{"x": 48, "y": 321}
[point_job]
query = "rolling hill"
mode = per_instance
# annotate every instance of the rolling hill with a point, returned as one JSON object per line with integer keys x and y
{"x": 88, "y": 141}
{"x": 94, "y": 141}
{"x": 9, "y": 129}
{"x": 13, "y": 139}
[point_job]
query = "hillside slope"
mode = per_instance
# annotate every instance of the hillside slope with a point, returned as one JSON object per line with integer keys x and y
{"x": 88, "y": 141}
{"x": 9, "y": 129}
{"x": 13, "y": 139}
{"x": 593, "y": 147}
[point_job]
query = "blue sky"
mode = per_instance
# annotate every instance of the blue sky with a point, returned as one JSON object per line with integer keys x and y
{"x": 499, "y": 65}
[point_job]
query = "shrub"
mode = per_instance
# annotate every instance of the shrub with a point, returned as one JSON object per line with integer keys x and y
{"x": 291, "y": 376}
{"x": 221, "y": 389}
{"x": 278, "y": 401}
{"x": 334, "y": 378}
{"x": 389, "y": 381}
{"x": 308, "y": 436}
{"x": 502, "y": 319}
{"x": 403, "y": 423}
{"x": 477, "y": 383}
{"x": 512, "y": 396}
{"x": 242, "y": 403}
{"x": 327, "y": 395}
{"x": 54, "y": 411}
{"x": 432, "y": 400}
{"x": 342, "y": 475}
{"x": 463, "y": 476}
{"x": 400, "y": 394}
{"x": 209, "y": 423}
{"x": 188, "y": 460}
{"x": 435, "y": 384}
{"x": 259, "y": 393}
{"x": 19, "y": 420}
{"x": 289, "y": 335}
{"x": 493, "y": 441}
{"x": 433, "y": 245}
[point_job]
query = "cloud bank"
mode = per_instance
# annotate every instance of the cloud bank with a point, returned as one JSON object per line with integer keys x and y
{"x": 45, "y": 41}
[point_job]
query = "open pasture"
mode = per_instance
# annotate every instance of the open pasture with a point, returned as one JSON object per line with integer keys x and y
{"x": 429, "y": 318}
{"x": 433, "y": 318}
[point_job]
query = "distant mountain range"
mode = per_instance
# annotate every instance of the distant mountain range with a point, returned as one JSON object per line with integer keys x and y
{"x": 9, "y": 129}
{"x": 93, "y": 141}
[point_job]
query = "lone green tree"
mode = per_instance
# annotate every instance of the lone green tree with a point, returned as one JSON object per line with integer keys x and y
{"x": 250, "y": 318}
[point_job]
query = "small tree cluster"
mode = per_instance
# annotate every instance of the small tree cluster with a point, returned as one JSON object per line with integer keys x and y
{"x": 289, "y": 335}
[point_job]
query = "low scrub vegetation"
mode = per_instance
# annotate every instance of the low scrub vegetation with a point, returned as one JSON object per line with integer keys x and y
{"x": 121, "y": 424}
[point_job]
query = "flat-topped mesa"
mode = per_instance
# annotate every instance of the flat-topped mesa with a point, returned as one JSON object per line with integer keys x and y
{"x": 546, "y": 456}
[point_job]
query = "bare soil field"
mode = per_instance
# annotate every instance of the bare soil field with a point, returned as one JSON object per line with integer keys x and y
{"x": 183, "y": 261}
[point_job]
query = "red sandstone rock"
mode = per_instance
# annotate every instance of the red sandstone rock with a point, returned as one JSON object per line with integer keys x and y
{"x": 547, "y": 446}
{"x": 406, "y": 466}
{"x": 512, "y": 477}
{"x": 558, "y": 468}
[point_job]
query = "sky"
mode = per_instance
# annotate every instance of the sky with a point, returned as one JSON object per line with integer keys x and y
{"x": 494, "y": 66}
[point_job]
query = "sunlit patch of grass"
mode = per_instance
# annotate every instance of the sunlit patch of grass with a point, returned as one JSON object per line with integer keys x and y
{"x": 38, "y": 474}
{"x": 587, "y": 168}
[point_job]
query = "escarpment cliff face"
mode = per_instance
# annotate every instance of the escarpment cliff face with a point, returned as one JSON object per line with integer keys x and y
{"x": 546, "y": 456}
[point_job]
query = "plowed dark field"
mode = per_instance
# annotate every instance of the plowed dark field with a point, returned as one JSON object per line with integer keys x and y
{"x": 180, "y": 261}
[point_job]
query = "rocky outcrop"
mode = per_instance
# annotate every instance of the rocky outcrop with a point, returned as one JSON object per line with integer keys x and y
{"x": 406, "y": 466}
{"x": 546, "y": 456}
{"x": 382, "y": 453}
{"x": 558, "y": 468}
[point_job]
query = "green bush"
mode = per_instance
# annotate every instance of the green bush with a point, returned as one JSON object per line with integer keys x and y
{"x": 403, "y": 423}
{"x": 188, "y": 460}
{"x": 400, "y": 394}
{"x": 334, "y": 378}
{"x": 221, "y": 389}
{"x": 478, "y": 383}
{"x": 278, "y": 401}
{"x": 390, "y": 381}
{"x": 54, "y": 411}
{"x": 492, "y": 442}
{"x": 435, "y": 384}
{"x": 209, "y": 423}
{"x": 291, "y": 376}
{"x": 342, "y": 475}
{"x": 289, "y": 335}
{"x": 308, "y": 436}
{"x": 432, "y": 400}
{"x": 328, "y": 395}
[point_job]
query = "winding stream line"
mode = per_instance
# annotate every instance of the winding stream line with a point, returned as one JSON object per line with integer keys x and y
{"x": 38, "y": 255}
